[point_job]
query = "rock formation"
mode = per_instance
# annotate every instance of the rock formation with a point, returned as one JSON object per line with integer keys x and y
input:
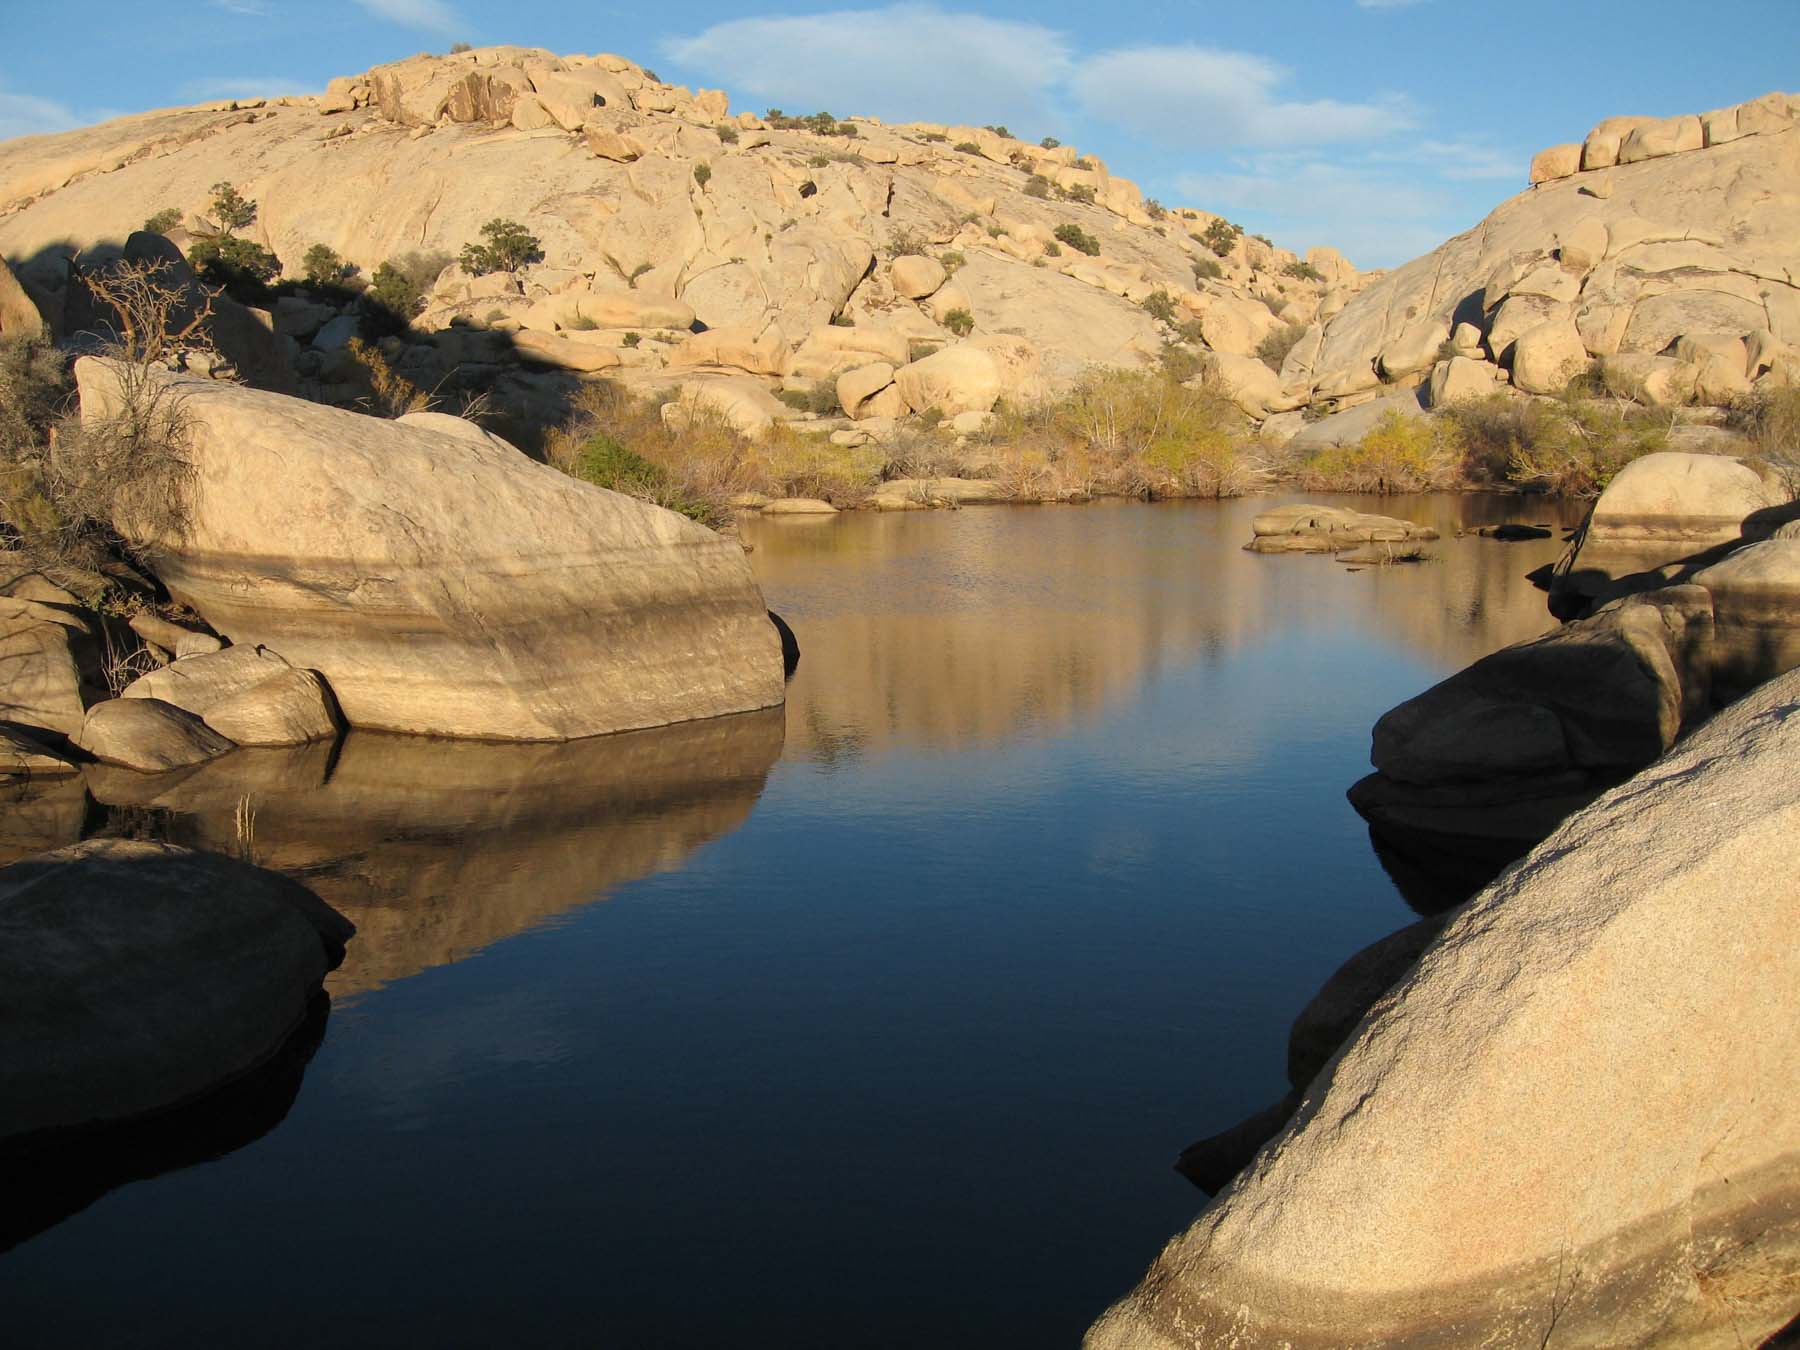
{"x": 134, "y": 977}
{"x": 1562, "y": 1120}
{"x": 800, "y": 250}
{"x": 443, "y": 583}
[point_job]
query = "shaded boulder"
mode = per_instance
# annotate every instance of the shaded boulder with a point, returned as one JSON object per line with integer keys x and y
{"x": 1563, "y": 1116}
{"x": 447, "y": 585}
{"x": 136, "y": 976}
{"x": 40, "y": 675}
{"x": 248, "y": 694}
{"x": 148, "y": 735}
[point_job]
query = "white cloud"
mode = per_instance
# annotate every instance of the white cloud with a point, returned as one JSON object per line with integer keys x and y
{"x": 434, "y": 16}
{"x": 1376, "y": 217}
{"x": 255, "y": 9}
{"x": 25, "y": 115}
{"x": 1205, "y": 97}
{"x": 898, "y": 62}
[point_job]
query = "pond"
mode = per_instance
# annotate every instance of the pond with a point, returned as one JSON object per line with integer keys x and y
{"x": 879, "y": 1022}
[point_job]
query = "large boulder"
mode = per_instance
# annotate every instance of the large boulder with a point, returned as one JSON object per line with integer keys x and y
{"x": 1547, "y": 357}
{"x": 135, "y": 977}
{"x": 1565, "y": 1118}
{"x": 1660, "y": 510}
{"x": 148, "y": 735}
{"x": 19, "y": 317}
{"x": 40, "y": 674}
{"x": 957, "y": 379}
{"x": 444, "y": 585}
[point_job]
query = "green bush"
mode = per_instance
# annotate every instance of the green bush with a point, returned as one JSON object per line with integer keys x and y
{"x": 1000, "y": 131}
{"x": 819, "y": 397}
{"x": 1221, "y": 236}
{"x": 933, "y": 136}
{"x": 229, "y": 209}
{"x": 1053, "y": 250}
{"x": 951, "y": 259}
{"x": 322, "y": 266}
{"x": 1305, "y": 271}
{"x": 1037, "y": 186}
{"x": 400, "y": 286}
{"x": 726, "y": 133}
{"x": 631, "y": 339}
{"x": 1081, "y": 192}
{"x": 703, "y": 174}
{"x": 1160, "y": 305}
{"x": 169, "y": 218}
{"x": 241, "y": 266}
{"x": 1205, "y": 268}
{"x": 1154, "y": 209}
{"x": 1399, "y": 454}
{"x": 960, "y": 322}
{"x": 1078, "y": 239}
{"x": 1050, "y": 143}
{"x": 509, "y": 247}
{"x": 967, "y": 148}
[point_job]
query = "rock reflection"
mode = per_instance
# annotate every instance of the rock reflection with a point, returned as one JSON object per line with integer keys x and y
{"x": 956, "y": 629}
{"x": 437, "y": 848}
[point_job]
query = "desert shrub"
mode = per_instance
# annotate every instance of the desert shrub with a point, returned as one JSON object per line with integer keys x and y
{"x": 1771, "y": 419}
{"x": 1086, "y": 162}
{"x": 702, "y": 173}
{"x": 726, "y": 133}
{"x": 401, "y": 285}
{"x": 1082, "y": 193}
{"x": 1190, "y": 330}
{"x": 1221, "y": 236}
{"x": 1304, "y": 271}
{"x": 509, "y": 247}
{"x": 967, "y": 148}
{"x": 1053, "y": 250}
{"x": 952, "y": 258}
{"x": 960, "y": 322}
{"x": 230, "y": 210}
{"x": 242, "y": 266}
{"x": 650, "y": 75}
{"x": 1037, "y": 186}
{"x": 618, "y": 441}
{"x": 322, "y": 266}
{"x": 1263, "y": 239}
{"x": 819, "y": 397}
{"x": 33, "y": 388}
{"x": 1154, "y": 209}
{"x": 933, "y": 136}
{"x": 1398, "y": 454}
{"x": 1160, "y": 305}
{"x": 631, "y": 339}
{"x": 1492, "y": 429}
{"x": 169, "y": 218}
{"x": 1205, "y": 269}
{"x": 602, "y": 461}
{"x": 1577, "y": 445}
{"x": 819, "y": 161}
{"x": 1050, "y": 143}
{"x": 390, "y": 394}
{"x": 905, "y": 241}
{"x": 1277, "y": 343}
{"x": 1000, "y": 131}
{"x": 788, "y": 463}
{"x": 1078, "y": 239}
{"x": 458, "y": 48}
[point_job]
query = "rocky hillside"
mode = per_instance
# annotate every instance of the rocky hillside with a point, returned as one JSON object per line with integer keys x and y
{"x": 1661, "y": 253}
{"x": 745, "y": 253}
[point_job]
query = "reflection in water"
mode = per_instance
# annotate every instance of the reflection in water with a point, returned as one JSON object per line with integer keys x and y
{"x": 437, "y": 848}
{"x": 954, "y": 629}
{"x": 47, "y": 1178}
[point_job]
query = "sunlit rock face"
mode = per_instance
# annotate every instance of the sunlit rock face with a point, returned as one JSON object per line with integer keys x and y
{"x": 444, "y": 584}
{"x": 1563, "y": 1116}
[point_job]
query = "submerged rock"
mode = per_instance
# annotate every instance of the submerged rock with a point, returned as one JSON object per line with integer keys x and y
{"x": 447, "y": 585}
{"x": 1565, "y": 1117}
{"x": 1305, "y": 528}
{"x": 136, "y": 976}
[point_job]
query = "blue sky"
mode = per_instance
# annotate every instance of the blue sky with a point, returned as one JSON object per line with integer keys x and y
{"x": 1379, "y": 126}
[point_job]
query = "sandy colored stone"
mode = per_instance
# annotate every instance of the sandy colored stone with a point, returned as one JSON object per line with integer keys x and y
{"x": 247, "y": 694}
{"x": 1462, "y": 378}
{"x": 563, "y": 353}
{"x": 757, "y": 351}
{"x": 148, "y": 735}
{"x": 915, "y": 277}
{"x": 435, "y": 581}
{"x": 799, "y": 506}
{"x": 1559, "y": 161}
{"x": 856, "y": 387}
{"x": 1666, "y": 136}
{"x": 1576, "y": 1075}
{"x": 1547, "y": 357}
{"x": 42, "y": 685}
{"x": 960, "y": 378}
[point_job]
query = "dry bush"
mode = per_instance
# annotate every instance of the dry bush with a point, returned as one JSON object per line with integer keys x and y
{"x": 127, "y": 473}
{"x": 1771, "y": 419}
{"x": 1399, "y": 454}
{"x": 789, "y": 463}
{"x": 1576, "y": 446}
{"x": 1277, "y": 343}
{"x": 693, "y": 471}
{"x": 153, "y": 312}
{"x": 390, "y": 394}
{"x": 1130, "y": 433}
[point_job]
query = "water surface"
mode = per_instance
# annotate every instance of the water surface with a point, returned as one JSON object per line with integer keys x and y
{"x": 877, "y": 1023}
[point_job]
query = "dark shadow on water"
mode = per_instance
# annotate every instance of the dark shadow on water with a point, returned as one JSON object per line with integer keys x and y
{"x": 1434, "y": 880}
{"x": 54, "y": 1175}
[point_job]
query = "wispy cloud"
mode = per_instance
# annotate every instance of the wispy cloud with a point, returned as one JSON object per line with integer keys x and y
{"x": 1387, "y": 4}
{"x": 433, "y": 16}
{"x": 26, "y": 115}
{"x": 254, "y": 9}
{"x": 1203, "y": 96}
{"x": 244, "y": 86}
{"x": 899, "y": 62}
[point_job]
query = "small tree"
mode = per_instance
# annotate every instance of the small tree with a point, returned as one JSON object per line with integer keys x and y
{"x": 1160, "y": 305}
{"x": 960, "y": 322}
{"x": 1037, "y": 186}
{"x": 323, "y": 266}
{"x": 1078, "y": 239}
{"x": 229, "y": 208}
{"x": 702, "y": 174}
{"x": 1050, "y": 143}
{"x": 509, "y": 247}
{"x": 398, "y": 286}
{"x": 1221, "y": 236}
{"x": 726, "y": 133}
{"x": 169, "y": 218}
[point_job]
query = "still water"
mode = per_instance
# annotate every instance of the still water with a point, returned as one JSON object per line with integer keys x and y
{"x": 874, "y": 1023}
